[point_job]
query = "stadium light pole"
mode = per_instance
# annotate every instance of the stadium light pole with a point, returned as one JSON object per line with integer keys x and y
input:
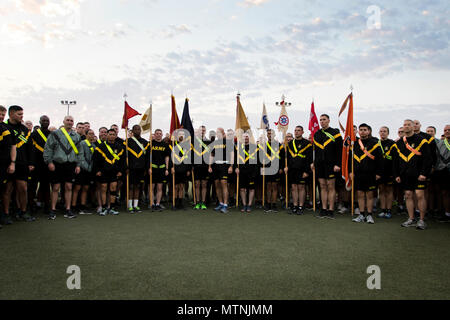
{"x": 68, "y": 104}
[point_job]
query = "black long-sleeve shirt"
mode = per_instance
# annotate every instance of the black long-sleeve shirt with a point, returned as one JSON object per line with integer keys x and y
{"x": 23, "y": 142}
{"x": 328, "y": 146}
{"x": 138, "y": 158}
{"x": 300, "y": 155}
{"x": 105, "y": 161}
{"x": 363, "y": 163}
{"x": 408, "y": 163}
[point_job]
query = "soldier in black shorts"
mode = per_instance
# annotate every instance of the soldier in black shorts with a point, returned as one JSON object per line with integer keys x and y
{"x": 299, "y": 169}
{"x": 7, "y": 165}
{"x": 24, "y": 164}
{"x": 86, "y": 178}
{"x": 138, "y": 164}
{"x": 201, "y": 153}
{"x": 109, "y": 166}
{"x": 386, "y": 183}
{"x": 443, "y": 172}
{"x": 221, "y": 164}
{"x": 273, "y": 159}
{"x": 246, "y": 164}
{"x": 181, "y": 165}
{"x": 328, "y": 158}
{"x": 159, "y": 168}
{"x": 63, "y": 156}
{"x": 368, "y": 166}
{"x": 411, "y": 167}
{"x": 41, "y": 174}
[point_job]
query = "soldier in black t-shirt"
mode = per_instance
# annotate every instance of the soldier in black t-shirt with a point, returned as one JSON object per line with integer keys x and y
{"x": 201, "y": 151}
{"x": 386, "y": 183}
{"x": 7, "y": 165}
{"x": 299, "y": 168}
{"x": 159, "y": 168}
{"x": 24, "y": 163}
{"x": 138, "y": 164}
{"x": 328, "y": 158}
{"x": 221, "y": 164}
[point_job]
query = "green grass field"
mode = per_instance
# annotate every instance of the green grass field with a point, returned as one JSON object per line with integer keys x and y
{"x": 207, "y": 255}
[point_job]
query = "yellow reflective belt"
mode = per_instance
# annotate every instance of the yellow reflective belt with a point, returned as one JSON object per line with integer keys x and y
{"x": 89, "y": 145}
{"x": 447, "y": 144}
{"x": 300, "y": 153}
{"x": 42, "y": 135}
{"x": 274, "y": 154}
{"x": 4, "y": 134}
{"x": 112, "y": 152}
{"x": 69, "y": 139}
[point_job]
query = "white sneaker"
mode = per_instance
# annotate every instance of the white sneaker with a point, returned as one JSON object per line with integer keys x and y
{"x": 382, "y": 215}
{"x": 114, "y": 212}
{"x": 359, "y": 218}
{"x": 85, "y": 212}
{"x": 343, "y": 210}
{"x": 104, "y": 212}
{"x": 409, "y": 223}
{"x": 421, "y": 225}
{"x": 369, "y": 219}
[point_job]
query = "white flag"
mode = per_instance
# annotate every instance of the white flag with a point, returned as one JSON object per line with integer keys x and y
{"x": 264, "y": 119}
{"x": 146, "y": 121}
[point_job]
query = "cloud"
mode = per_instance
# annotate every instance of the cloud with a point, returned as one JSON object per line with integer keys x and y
{"x": 171, "y": 31}
{"x": 252, "y": 3}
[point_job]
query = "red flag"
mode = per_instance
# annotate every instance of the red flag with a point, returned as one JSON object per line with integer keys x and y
{"x": 128, "y": 113}
{"x": 349, "y": 139}
{"x": 174, "y": 120}
{"x": 313, "y": 122}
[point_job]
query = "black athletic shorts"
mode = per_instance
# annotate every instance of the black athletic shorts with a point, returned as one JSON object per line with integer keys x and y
{"x": 108, "y": 176}
{"x": 201, "y": 172}
{"x": 295, "y": 176}
{"x": 159, "y": 174}
{"x": 248, "y": 177}
{"x": 385, "y": 180}
{"x": 273, "y": 178}
{"x": 85, "y": 178}
{"x": 325, "y": 170}
{"x": 137, "y": 176}
{"x": 411, "y": 183}
{"x": 64, "y": 172}
{"x": 181, "y": 175}
{"x": 365, "y": 182}
{"x": 443, "y": 179}
{"x": 22, "y": 173}
{"x": 220, "y": 171}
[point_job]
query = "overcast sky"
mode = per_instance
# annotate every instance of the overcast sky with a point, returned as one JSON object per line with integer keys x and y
{"x": 94, "y": 51}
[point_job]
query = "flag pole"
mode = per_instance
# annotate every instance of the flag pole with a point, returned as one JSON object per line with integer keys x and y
{"x": 151, "y": 154}
{"x": 126, "y": 153}
{"x": 285, "y": 165}
{"x": 264, "y": 183}
{"x": 173, "y": 174}
{"x": 314, "y": 177}
{"x": 353, "y": 180}
{"x": 193, "y": 186}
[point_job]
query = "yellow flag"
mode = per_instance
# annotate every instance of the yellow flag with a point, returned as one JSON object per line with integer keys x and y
{"x": 146, "y": 121}
{"x": 242, "y": 125}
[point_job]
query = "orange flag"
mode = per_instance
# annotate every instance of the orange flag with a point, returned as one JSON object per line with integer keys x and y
{"x": 349, "y": 139}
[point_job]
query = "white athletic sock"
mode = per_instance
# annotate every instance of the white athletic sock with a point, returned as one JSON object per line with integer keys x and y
{"x": 130, "y": 203}
{"x": 135, "y": 203}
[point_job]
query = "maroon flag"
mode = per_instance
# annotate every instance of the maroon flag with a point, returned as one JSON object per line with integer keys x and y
{"x": 313, "y": 122}
{"x": 128, "y": 113}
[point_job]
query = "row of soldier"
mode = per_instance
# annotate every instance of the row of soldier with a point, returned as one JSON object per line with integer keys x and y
{"x": 80, "y": 168}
